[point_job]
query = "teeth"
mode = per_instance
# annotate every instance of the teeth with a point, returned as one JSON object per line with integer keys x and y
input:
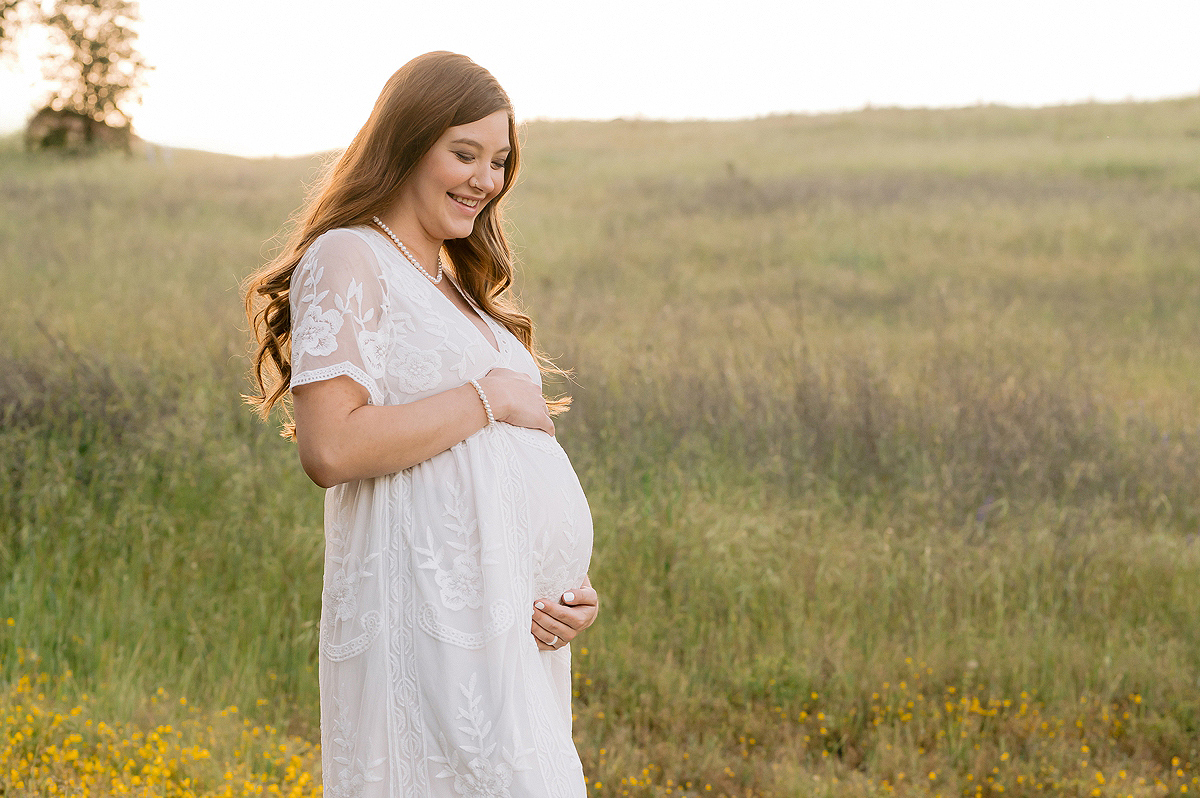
{"x": 470, "y": 203}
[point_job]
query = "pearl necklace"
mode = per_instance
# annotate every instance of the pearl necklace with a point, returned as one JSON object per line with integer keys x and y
{"x": 407, "y": 254}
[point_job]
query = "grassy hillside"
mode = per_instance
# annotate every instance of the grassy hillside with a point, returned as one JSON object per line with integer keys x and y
{"x": 889, "y": 423}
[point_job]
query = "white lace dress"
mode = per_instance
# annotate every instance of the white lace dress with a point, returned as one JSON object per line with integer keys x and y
{"x": 431, "y": 683}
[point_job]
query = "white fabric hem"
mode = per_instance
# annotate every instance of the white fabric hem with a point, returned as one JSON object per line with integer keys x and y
{"x": 340, "y": 370}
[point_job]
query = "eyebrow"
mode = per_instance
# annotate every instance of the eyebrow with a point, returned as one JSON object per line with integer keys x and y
{"x": 477, "y": 145}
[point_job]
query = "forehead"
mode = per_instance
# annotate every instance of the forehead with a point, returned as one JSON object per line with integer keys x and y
{"x": 489, "y": 133}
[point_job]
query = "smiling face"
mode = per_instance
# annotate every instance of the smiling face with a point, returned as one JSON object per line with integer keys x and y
{"x": 461, "y": 173}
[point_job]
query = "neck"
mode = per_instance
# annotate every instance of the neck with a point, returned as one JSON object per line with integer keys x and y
{"x": 422, "y": 247}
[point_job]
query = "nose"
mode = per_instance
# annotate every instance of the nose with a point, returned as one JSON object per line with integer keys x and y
{"x": 485, "y": 179}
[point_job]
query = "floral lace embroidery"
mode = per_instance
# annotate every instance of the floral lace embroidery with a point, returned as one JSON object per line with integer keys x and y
{"x": 461, "y": 585}
{"x": 318, "y": 330}
{"x": 480, "y": 776}
{"x": 549, "y": 583}
{"x": 502, "y": 618}
{"x": 416, "y": 370}
{"x": 340, "y": 599}
{"x": 316, "y": 333}
{"x": 341, "y": 594}
{"x": 556, "y": 570}
{"x": 372, "y": 623}
{"x": 373, "y": 346}
{"x": 354, "y": 774}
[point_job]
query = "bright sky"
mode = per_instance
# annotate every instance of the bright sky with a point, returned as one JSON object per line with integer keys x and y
{"x": 263, "y": 77}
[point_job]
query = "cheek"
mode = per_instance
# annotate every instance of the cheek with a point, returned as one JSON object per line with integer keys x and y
{"x": 442, "y": 175}
{"x": 454, "y": 173}
{"x": 499, "y": 185}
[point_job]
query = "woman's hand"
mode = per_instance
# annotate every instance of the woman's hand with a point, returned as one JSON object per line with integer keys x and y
{"x": 555, "y": 623}
{"x": 516, "y": 400}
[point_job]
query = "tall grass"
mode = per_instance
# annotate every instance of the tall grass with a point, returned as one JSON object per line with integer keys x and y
{"x": 888, "y": 422}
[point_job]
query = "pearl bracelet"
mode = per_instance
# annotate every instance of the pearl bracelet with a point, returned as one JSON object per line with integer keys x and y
{"x": 487, "y": 406}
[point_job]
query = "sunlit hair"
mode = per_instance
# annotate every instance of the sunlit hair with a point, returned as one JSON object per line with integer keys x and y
{"x": 426, "y": 96}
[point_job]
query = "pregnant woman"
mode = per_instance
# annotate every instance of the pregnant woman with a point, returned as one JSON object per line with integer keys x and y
{"x": 452, "y": 514}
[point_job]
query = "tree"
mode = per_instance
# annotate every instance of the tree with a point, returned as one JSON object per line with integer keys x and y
{"x": 94, "y": 66}
{"x": 10, "y": 21}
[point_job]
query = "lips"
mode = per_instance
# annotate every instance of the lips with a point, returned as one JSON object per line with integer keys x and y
{"x": 466, "y": 201}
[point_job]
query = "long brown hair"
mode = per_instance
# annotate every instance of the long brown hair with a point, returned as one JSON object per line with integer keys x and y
{"x": 419, "y": 102}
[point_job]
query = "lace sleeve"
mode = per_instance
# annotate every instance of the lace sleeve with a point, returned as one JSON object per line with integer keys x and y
{"x": 339, "y": 314}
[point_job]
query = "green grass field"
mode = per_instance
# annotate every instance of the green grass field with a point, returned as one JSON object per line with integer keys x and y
{"x": 889, "y": 420}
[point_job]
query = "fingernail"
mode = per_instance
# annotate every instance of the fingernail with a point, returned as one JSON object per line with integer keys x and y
{"x": 568, "y": 597}
{"x": 539, "y": 605}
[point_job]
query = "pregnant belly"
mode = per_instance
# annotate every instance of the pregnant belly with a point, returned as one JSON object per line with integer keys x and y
{"x": 560, "y": 522}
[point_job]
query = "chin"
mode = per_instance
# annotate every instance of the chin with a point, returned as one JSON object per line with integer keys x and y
{"x": 459, "y": 231}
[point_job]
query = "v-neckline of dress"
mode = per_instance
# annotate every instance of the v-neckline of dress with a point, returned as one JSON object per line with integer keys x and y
{"x": 495, "y": 347}
{"x": 483, "y": 317}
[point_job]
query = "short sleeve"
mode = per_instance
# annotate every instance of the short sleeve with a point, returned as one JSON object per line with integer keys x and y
{"x": 339, "y": 314}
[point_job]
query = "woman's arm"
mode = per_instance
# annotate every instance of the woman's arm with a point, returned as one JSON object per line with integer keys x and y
{"x": 340, "y": 437}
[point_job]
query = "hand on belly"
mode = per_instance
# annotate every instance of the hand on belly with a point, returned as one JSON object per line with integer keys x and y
{"x": 557, "y": 622}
